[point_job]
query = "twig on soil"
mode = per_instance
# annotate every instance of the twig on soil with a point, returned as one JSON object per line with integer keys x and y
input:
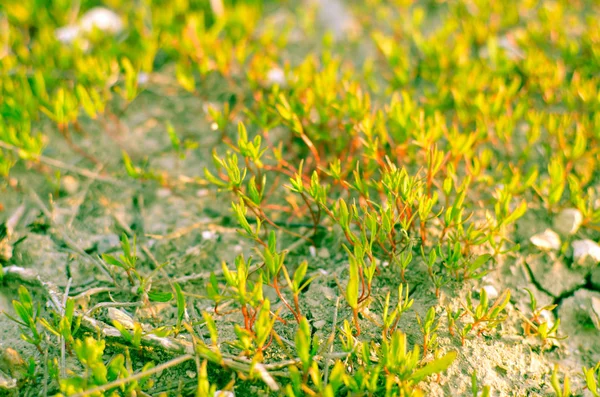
{"x": 112, "y": 304}
{"x": 68, "y": 167}
{"x": 176, "y": 346}
{"x": 93, "y": 291}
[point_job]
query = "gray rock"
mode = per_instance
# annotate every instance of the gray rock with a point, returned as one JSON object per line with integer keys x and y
{"x": 319, "y": 324}
{"x": 547, "y": 240}
{"x": 586, "y": 252}
{"x": 568, "y": 221}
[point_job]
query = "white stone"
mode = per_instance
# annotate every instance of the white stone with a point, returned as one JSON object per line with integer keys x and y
{"x": 163, "y": 192}
{"x": 103, "y": 19}
{"x": 208, "y": 235}
{"x": 547, "y": 240}
{"x": 491, "y": 291}
{"x": 568, "y": 221}
{"x": 202, "y": 193}
{"x": 276, "y": 76}
{"x": 70, "y": 184}
{"x": 67, "y": 34}
{"x": 586, "y": 252}
{"x": 143, "y": 78}
{"x": 222, "y": 393}
{"x": 312, "y": 250}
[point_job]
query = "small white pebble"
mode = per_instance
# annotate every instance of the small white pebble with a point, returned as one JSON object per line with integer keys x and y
{"x": 222, "y": 393}
{"x": 143, "y": 78}
{"x": 586, "y": 252}
{"x": 70, "y": 184}
{"x": 276, "y": 76}
{"x": 163, "y": 193}
{"x": 103, "y": 19}
{"x": 202, "y": 193}
{"x": 568, "y": 221}
{"x": 208, "y": 235}
{"x": 312, "y": 250}
{"x": 323, "y": 272}
{"x": 67, "y": 34}
{"x": 547, "y": 240}
{"x": 491, "y": 291}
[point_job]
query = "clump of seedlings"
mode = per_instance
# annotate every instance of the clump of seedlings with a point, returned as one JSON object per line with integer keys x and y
{"x": 371, "y": 176}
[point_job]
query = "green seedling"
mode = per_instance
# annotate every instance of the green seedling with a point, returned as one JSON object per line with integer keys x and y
{"x": 297, "y": 283}
{"x": 65, "y": 324}
{"x": 391, "y": 318}
{"x": 565, "y": 390}
{"x": 28, "y": 314}
{"x": 536, "y": 324}
{"x": 485, "y": 390}
{"x": 127, "y": 261}
{"x": 485, "y": 317}
{"x": 452, "y": 317}
{"x": 429, "y": 326}
{"x": 592, "y": 379}
{"x": 247, "y": 296}
{"x": 98, "y": 373}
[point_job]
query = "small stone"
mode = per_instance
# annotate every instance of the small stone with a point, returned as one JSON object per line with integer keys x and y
{"x": 7, "y": 383}
{"x": 6, "y": 250}
{"x": 103, "y": 19}
{"x": 67, "y": 34}
{"x": 324, "y": 253}
{"x": 222, "y": 393}
{"x": 491, "y": 291}
{"x": 312, "y": 250}
{"x": 123, "y": 318}
{"x": 547, "y": 240}
{"x": 276, "y": 76}
{"x": 319, "y": 324}
{"x": 568, "y": 221}
{"x": 70, "y": 184}
{"x": 11, "y": 361}
{"x": 190, "y": 374}
{"x": 586, "y": 252}
{"x": 202, "y": 193}
{"x": 143, "y": 78}
{"x": 163, "y": 192}
{"x": 208, "y": 235}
